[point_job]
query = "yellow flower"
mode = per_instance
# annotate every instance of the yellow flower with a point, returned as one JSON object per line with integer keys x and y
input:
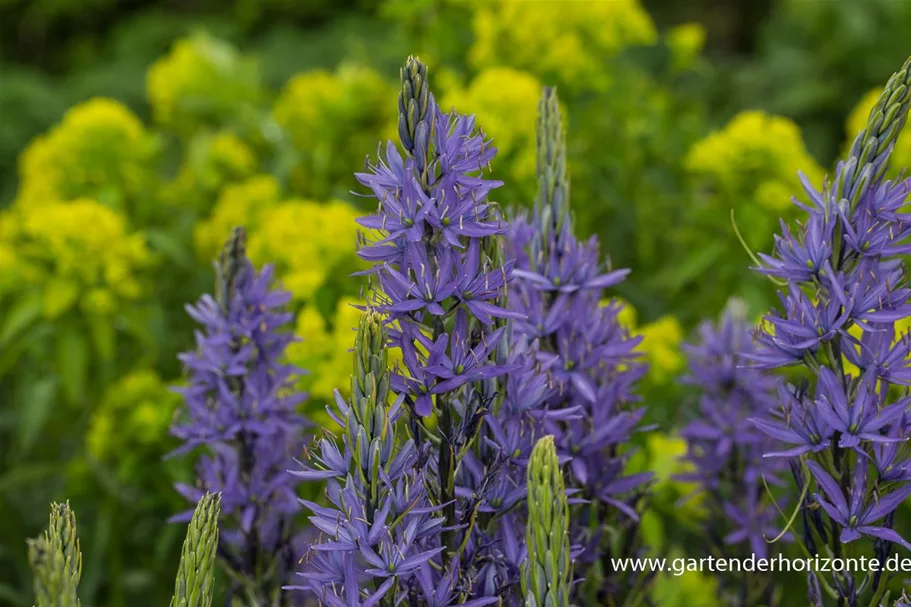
{"x": 99, "y": 150}
{"x": 213, "y": 161}
{"x": 240, "y": 204}
{"x": 133, "y": 416}
{"x": 202, "y": 81}
{"x": 627, "y": 315}
{"x": 755, "y": 155}
{"x": 78, "y": 249}
{"x": 857, "y": 120}
{"x": 568, "y": 40}
{"x": 505, "y": 102}
{"x": 306, "y": 240}
{"x": 325, "y": 350}
{"x": 661, "y": 341}
{"x": 334, "y": 120}
{"x": 685, "y": 42}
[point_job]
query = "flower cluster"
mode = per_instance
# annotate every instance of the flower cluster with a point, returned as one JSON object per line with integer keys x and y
{"x": 309, "y": 242}
{"x": 378, "y": 531}
{"x": 841, "y": 268}
{"x": 239, "y": 204}
{"x": 202, "y": 82}
{"x": 588, "y": 353}
{"x": 505, "y": 100}
{"x": 330, "y": 119}
{"x": 78, "y": 253}
{"x": 756, "y": 156}
{"x": 726, "y": 451}
{"x": 241, "y": 406}
{"x": 547, "y": 576}
{"x": 566, "y": 41}
{"x": 440, "y": 276}
{"x": 100, "y": 150}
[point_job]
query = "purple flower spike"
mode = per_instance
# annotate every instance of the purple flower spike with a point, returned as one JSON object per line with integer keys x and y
{"x": 241, "y": 406}
{"x": 845, "y": 289}
{"x": 590, "y": 359}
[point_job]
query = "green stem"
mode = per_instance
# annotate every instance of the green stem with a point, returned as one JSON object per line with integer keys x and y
{"x": 447, "y": 479}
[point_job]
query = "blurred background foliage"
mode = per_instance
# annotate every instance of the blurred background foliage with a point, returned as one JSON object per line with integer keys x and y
{"x": 136, "y": 134}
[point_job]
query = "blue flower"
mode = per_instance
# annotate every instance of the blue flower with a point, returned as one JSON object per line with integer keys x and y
{"x": 852, "y": 512}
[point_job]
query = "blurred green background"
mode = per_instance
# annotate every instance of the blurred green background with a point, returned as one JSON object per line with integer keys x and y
{"x": 134, "y": 134}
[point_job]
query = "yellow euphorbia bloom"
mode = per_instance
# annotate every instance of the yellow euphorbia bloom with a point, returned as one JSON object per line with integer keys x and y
{"x": 240, "y": 204}
{"x": 99, "y": 150}
{"x": 77, "y": 251}
{"x": 135, "y": 412}
{"x": 305, "y": 240}
{"x": 212, "y": 162}
{"x": 202, "y": 82}
{"x": 661, "y": 341}
{"x": 505, "y": 102}
{"x": 758, "y": 155}
{"x": 569, "y": 40}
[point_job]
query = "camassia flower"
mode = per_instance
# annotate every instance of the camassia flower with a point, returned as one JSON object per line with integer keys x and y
{"x": 726, "y": 451}
{"x": 588, "y": 355}
{"x": 439, "y": 277}
{"x": 845, "y": 288}
{"x": 378, "y": 529}
{"x": 241, "y": 407}
{"x": 851, "y": 513}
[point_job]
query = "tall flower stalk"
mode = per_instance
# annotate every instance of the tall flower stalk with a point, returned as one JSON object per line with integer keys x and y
{"x": 241, "y": 406}
{"x": 195, "y": 584}
{"x": 591, "y": 360}
{"x": 378, "y": 530}
{"x": 547, "y": 575}
{"x": 726, "y": 452}
{"x": 438, "y": 278}
{"x": 56, "y": 560}
{"x": 844, "y": 429}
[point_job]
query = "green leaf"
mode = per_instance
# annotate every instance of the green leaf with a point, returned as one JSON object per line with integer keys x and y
{"x": 23, "y": 313}
{"x": 678, "y": 275}
{"x": 72, "y": 361}
{"x": 59, "y": 296}
{"x": 34, "y": 410}
{"x": 20, "y": 476}
{"x": 172, "y": 248}
{"x": 104, "y": 336}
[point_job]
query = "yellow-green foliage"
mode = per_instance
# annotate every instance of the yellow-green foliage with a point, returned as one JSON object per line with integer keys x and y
{"x": 567, "y": 41}
{"x": 685, "y": 43}
{"x": 755, "y": 157}
{"x": 307, "y": 241}
{"x": 691, "y": 589}
{"x": 240, "y": 204}
{"x": 76, "y": 252}
{"x": 857, "y": 120}
{"x": 505, "y": 102}
{"x": 212, "y": 162}
{"x": 203, "y": 81}
{"x": 660, "y": 345}
{"x": 334, "y": 119}
{"x": 131, "y": 421}
{"x": 325, "y": 349}
{"x": 99, "y": 150}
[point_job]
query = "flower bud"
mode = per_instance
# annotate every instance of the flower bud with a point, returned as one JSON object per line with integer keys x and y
{"x": 548, "y": 570}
